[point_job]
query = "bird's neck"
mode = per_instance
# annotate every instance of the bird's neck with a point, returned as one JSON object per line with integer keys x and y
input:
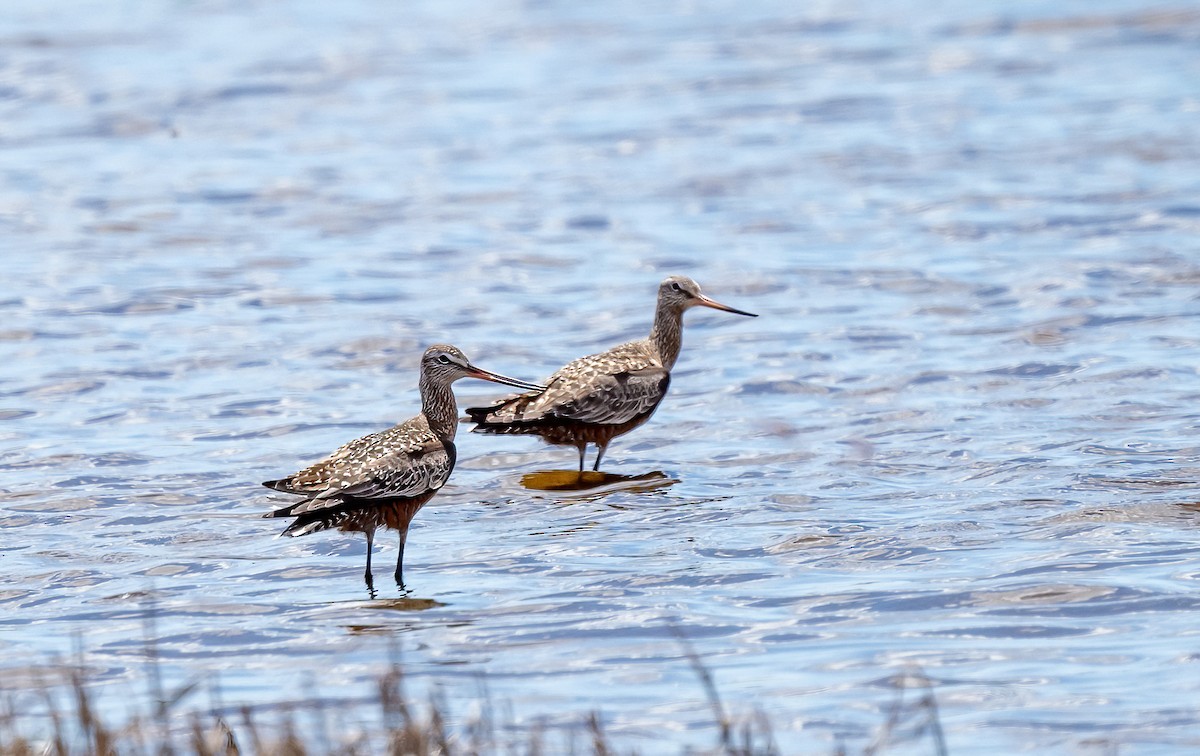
{"x": 439, "y": 408}
{"x": 667, "y": 334}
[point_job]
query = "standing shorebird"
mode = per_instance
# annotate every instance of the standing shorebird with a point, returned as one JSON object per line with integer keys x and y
{"x": 383, "y": 479}
{"x": 594, "y": 399}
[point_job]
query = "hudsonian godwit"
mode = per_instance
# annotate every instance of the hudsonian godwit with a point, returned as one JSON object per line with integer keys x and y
{"x": 383, "y": 479}
{"x": 594, "y": 399}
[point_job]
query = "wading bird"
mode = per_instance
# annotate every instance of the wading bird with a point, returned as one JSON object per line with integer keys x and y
{"x": 383, "y": 479}
{"x": 594, "y": 399}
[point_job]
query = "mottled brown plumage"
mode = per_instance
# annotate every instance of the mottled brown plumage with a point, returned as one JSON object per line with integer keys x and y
{"x": 594, "y": 399}
{"x": 383, "y": 479}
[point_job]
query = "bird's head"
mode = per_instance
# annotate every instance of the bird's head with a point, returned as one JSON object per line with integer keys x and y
{"x": 681, "y": 293}
{"x": 445, "y": 364}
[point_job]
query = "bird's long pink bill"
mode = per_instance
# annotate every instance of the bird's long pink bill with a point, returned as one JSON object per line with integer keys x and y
{"x": 718, "y": 306}
{"x": 486, "y": 375}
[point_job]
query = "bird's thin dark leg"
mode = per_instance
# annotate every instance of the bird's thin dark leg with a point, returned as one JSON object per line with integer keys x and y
{"x": 582, "y": 453}
{"x": 600, "y": 449}
{"x": 367, "y": 575}
{"x": 400, "y": 559}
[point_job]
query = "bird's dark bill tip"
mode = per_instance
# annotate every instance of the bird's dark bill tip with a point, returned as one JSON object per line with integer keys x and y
{"x": 714, "y": 304}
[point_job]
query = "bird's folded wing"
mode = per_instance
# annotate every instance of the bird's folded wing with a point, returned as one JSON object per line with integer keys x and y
{"x": 417, "y": 476}
{"x": 384, "y": 465}
{"x": 398, "y": 476}
{"x": 615, "y": 399}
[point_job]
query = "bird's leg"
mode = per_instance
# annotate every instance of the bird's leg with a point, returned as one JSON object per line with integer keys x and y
{"x": 600, "y": 449}
{"x": 367, "y": 575}
{"x": 582, "y": 453}
{"x": 400, "y": 559}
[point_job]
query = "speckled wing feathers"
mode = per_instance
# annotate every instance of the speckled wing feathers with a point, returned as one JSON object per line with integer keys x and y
{"x": 617, "y": 399}
{"x": 609, "y": 388}
{"x": 405, "y": 461}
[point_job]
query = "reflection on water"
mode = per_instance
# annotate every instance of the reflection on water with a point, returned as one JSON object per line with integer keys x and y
{"x": 402, "y": 605}
{"x": 963, "y": 434}
{"x": 596, "y": 483}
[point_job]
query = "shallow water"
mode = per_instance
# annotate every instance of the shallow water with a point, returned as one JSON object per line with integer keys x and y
{"x": 962, "y": 435}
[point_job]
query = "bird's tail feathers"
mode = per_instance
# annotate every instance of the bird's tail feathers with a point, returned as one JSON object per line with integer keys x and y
{"x": 287, "y": 511}
{"x": 314, "y": 522}
{"x": 480, "y": 414}
{"x": 514, "y": 428}
{"x": 506, "y": 416}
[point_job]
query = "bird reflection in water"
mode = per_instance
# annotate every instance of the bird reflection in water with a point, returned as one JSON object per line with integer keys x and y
{"x": 400, "y": 606}
{"x": 405, "y": 604}
{"x": 595, "y": 482}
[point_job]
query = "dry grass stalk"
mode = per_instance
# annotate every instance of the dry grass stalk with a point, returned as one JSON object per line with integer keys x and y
{"x": 78, "y": 727}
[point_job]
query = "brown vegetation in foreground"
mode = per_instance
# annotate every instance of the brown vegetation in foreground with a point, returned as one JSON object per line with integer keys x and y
{"x": 57, "y": 715}
{"x": 63, "y": 719}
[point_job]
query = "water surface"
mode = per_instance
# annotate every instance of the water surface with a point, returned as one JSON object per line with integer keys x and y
{"x": 961, "y": 437}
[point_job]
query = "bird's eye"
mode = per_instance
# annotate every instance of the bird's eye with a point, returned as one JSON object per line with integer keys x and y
{"x": 443, "y": 359}
{"x": 676, "y": 287}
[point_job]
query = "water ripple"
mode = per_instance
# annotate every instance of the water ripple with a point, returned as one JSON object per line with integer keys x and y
{"x": 960, "y": 435}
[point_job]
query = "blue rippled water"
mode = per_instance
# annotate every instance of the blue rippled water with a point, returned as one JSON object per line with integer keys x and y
{"x": 961, "y": 438}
